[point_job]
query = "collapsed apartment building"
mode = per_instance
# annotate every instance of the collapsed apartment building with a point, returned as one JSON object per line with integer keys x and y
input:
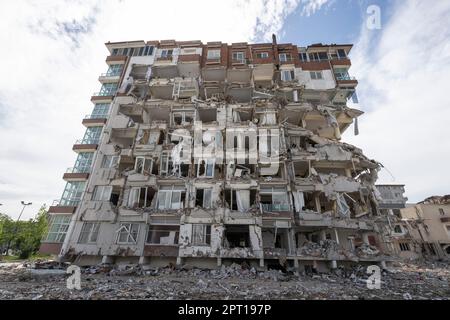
{"x": 205, "y": 154}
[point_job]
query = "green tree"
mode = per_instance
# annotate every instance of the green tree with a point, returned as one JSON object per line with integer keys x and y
{"x": 25, "y": 236}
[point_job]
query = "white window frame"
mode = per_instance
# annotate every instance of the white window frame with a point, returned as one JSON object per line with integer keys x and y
{"x": 128, "y": 228}
{"x": 289, "y": 72}
{"x": 165, "y": 53}
{"x": 262, "y": 55}
{"x": 146, "y": 163}
{"x": 209, "y": 163}
{"x": 286, "y": 57}
{"x": 109, "y": 161}
{"x": 135, "y": 195}
{"x": 169, "y": 194}
{"x": 238, "y": 56}
{"x": 102, "y": 193}
{"x": 59, "y": 224}
{"x": 276, "y": 195}
{"x": 213, "y": 54}
{"x": 203, "y": 233}
{"x": 316, "y": 75}
{"x": 91, "y": 231}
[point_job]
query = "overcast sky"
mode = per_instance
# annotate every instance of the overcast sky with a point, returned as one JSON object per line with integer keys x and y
{"x": 53, "y": 52}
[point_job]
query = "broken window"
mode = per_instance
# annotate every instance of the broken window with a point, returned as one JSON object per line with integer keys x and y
{"x": 203, "y": 198}
{"x": 183, "y": 117}
{"x": 341, "y": 74}
{"x": 109, "y": 161}
{"x": 171, "y": 197}
{"x": 102, "y": 193}
{"x": 58, "y": 228}
{"x": 89, "y": 232}
{"x": 213, "y": 54}
{"x": 163, "y": 234}
{"x": 398, "y": 229}
{"x": 166, "y": 164}
{"x": 237, "y": 236}
{"x": 143, "y": 165}
{"x": 343, "y": 207}
{"x": 128, "y": 233}
{"x": 316, "y": 75}
{"x": 274, "y": 199}
{"x": 404, "y": 246}
{"x": 205, "y": 168}
{"x": 302, "y": 169}
{"x": 240, "y": 200}
{"x": 140, "y": 197}
{"x": 287, "y": 75}
{"x": 201, "y": 234}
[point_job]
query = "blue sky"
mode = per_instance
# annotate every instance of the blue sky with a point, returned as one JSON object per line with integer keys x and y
{"x": 56, "y": 52}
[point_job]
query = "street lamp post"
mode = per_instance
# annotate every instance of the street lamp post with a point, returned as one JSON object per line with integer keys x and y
{"x": 17, "y": 223}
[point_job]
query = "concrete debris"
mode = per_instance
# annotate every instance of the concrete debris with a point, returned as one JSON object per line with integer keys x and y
{"x": 235, "y": 281}
{"x": 366, "y": 250}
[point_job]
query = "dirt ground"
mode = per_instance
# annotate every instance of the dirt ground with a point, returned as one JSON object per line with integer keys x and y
{"x": 48, "y": 281}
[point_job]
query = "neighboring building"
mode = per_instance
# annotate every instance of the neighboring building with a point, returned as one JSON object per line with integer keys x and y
{"x": 426, "y": 227}
{"x": 392, "y": 198}
{"x": 149, "y": 184}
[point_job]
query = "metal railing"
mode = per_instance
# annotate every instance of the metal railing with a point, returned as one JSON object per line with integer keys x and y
{"x": 272, "y": 207}
{"x": 104, "y": 93}
{"x": 341, "y": 77}
{"x": 87, "y": 141}
{"x": 79, "y": 169}
{"x": 95, "y": 116}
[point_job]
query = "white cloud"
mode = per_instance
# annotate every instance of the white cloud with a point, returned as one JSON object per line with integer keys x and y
{"x": 52, "y": 52}
{"x": 403, "y": 74}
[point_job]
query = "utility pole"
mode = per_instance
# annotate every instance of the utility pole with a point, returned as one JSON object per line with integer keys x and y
{"x": 17, "y": 223}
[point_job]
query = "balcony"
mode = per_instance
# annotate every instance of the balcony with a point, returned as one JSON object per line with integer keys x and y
{"x": 189, "y": 65}
{"x": 103, "y": 97}
{"x": 109, "y": 77}
{"x": 77, "y": 174}
{"x": 86, "y": 145}
{"x": 116, "y": 59}
{"x": 185, "y": 88}
{"x": 93, "y": 120}
{"x": 56, "y": 208}
{"x": 133, "y": 111}
{"x": 274, "y": 207}
{"x": 161, "y": 89}
{"x": 344, "y": 79}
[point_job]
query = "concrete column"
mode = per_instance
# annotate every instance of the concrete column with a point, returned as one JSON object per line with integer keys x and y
{"x": 323, "y": 234}
{"x": 179, "y": 261}
{"x": 336, "y": 234}
{"x": 333, "y": 264}
{"x": 348, "y": 172}
{"x": 296, "y": 265}
{"x": 107, "y": 259}
{"x": 365, "y": 237}
{"x": 383, "y": 265}
{"x": 317, "y": 202}
{"x": 143, "y": 260}
{"x": 219, "y": 261}
{"x": 261, "y": 263}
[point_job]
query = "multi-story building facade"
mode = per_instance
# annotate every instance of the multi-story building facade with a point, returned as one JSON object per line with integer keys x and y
{"x": 204, "y": 154}
{"x": 425, "y": 229}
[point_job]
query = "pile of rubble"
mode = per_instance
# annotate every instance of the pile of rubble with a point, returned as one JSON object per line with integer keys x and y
{"x": 401, "y": 281}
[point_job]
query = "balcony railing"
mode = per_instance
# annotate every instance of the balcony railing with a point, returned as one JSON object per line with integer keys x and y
{"x": 272, "y": 207}
{"x": 83, "y": 169}
{"x": 104, "y": 93}
{"x": 96, "y": 116}
{"x": 341, "y": 77}
{"x": 111, "y": 74}
{"x": 87, "y": 141}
